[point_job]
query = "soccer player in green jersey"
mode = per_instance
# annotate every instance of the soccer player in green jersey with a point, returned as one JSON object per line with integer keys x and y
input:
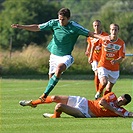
{"x": 65, "y": 35}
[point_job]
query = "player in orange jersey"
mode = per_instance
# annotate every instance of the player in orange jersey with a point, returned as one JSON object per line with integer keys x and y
{"x": 93, "y": 50}
{"x": 107, "y": 106}
{"x": 112, "y": 53}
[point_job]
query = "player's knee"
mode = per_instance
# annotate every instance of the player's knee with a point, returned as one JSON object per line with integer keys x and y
{"x": 104, "y": 82}
{"x": 58, "y": 106}
{"x": 54, "y": 98}
{"x": 61, "y": 68}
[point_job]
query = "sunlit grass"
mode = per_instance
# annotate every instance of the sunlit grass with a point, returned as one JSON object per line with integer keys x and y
{"x": 17, "y": 119}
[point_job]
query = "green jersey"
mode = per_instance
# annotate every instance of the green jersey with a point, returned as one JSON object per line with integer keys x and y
{"x": 64, "y": 37}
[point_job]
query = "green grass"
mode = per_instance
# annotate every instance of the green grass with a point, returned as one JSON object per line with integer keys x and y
{"x": 17, "y": 119}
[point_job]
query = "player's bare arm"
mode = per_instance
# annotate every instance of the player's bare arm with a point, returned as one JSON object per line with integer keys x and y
{"x": 94, "y": 35}
{"x": 91, "y": 54}
{"x": 103, "y": 103}
{"x": 87, "y": 52}
{"x": 33, "y": 27}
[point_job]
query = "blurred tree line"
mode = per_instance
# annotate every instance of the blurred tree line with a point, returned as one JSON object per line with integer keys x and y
{"x": 83, "y": 11}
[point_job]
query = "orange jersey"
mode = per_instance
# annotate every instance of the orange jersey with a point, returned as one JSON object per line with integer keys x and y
{"x": 110, "y": 51}
{"x": 100, "y": 111}
{"x": 97, "y": 46}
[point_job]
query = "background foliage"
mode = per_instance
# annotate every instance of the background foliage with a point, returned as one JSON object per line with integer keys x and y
{"x": 83, "y": 12}
{"x": 33, "y": 60}
{"x": 17, "y": 119}
{"x": 25, "y": 12}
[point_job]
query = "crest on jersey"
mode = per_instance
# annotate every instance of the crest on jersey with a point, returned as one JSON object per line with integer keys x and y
{"x": 112, "y": 47}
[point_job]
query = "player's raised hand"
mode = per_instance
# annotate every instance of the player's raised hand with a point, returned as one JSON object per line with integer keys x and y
{"x": 113, "y": 62}
{"x": 15, "y": 25}
{"x": 90, "y": 59}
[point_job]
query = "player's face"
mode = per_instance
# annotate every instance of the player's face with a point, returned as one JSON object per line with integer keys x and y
{"x": 63, "y": 20}
{"x": 114, "y": 30}
{"x": 121, "y": 101}
{"x": 97, "y": 27}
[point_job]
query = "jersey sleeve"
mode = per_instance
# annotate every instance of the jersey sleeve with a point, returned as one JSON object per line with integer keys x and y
{"x": 80, "y": 30}
{"x": 46, "y": 26}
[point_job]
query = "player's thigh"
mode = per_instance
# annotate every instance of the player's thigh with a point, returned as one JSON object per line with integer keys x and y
{"x": 103, "y": 75}
{"x": 72, "y": 111}
{"x": 60, "y": 99}
{"x": 104, "y": 80}
{"x": 109, "y": 86}
{"x": 60, "y": 62}
{"x": 61, "y": 67}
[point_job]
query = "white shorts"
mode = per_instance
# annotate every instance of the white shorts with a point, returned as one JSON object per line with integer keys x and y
{"x": 111, "y": 75}
{"x": 55, "y": 60}
{"x": 80, "y": 103}
{"x": 94, "y": 65}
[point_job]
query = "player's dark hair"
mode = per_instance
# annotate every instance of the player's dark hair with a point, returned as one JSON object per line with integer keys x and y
{"x": 98, "y": 21}
{"x": 64, "y": 12}
{"x": 128, "y": 98}
{"x": 116, "y": 25}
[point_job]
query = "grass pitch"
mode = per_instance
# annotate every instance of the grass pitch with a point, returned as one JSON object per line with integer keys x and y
{"x": 17, "y": 119}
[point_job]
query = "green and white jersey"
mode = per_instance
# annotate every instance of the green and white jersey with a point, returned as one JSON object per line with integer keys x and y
{"x": 64, "y": 37}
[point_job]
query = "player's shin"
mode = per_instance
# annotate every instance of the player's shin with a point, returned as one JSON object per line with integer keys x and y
{"x": 51, "y": 84}
{"x": 39, "y": 101}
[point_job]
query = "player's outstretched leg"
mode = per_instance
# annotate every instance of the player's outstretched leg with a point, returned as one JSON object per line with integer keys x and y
{"x": 35, "y": 102}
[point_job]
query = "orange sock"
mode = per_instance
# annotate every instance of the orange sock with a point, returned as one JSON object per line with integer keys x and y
{"x": 101, "y": 87}
{"x": 96, "y": 81}
{"x": 38, "y": 101}
{"x": 106, "y": 92}
{"x": 56, "y": 114}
